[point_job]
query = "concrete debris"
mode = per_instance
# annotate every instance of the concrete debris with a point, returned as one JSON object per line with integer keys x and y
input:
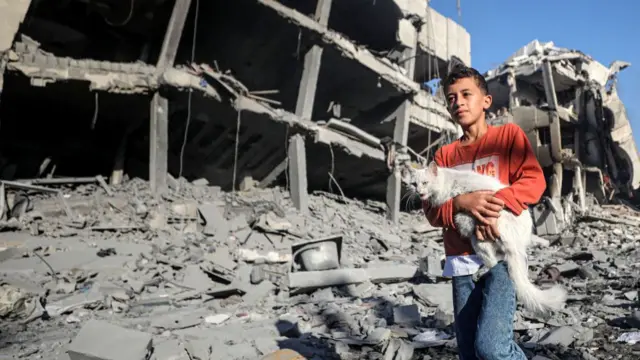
{"x": 100, "y": 340}
{"x": 185, "y": 292}
{"x": 257, "y": 248}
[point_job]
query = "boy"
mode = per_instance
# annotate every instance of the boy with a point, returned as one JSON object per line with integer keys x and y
{"x": 484, "y": 309}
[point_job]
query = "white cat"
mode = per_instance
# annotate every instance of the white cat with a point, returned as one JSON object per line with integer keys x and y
{"x": 436, "y": 185}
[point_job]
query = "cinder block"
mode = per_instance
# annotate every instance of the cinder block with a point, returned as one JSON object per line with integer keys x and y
{"x": 100, "y": 340}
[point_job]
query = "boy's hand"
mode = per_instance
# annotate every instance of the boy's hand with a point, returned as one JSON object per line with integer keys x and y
{"x": 488, "y": 232}
{"x": 481, "y": 204}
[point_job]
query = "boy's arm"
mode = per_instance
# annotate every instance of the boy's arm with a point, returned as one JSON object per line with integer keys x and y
{"x": 441, "y": 216}
{"x": 525, "y": 175}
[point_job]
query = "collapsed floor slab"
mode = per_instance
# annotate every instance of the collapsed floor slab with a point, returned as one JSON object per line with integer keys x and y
{"x": 44, "y": 68}
{"x": 365, "y": 80}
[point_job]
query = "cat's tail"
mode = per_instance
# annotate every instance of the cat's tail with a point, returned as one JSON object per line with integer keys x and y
{"x": 533, "y": 298}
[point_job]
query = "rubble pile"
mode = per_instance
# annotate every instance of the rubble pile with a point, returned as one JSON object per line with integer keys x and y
{"x": 206, "y": 274}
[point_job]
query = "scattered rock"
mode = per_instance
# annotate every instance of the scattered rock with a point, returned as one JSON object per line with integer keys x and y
{"x": 223, "y": 280}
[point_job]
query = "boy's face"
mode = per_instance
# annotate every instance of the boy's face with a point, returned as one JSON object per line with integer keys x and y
{"x": 467, "y": 103}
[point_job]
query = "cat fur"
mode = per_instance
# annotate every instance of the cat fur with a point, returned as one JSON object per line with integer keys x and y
{"x": 436, "y": 185}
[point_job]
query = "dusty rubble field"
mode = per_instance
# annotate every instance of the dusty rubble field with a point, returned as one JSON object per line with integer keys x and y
{"x": 220, "y": 290}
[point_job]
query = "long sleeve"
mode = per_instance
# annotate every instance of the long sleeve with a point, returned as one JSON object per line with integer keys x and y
{"x": 527, "y": 182}
{"x": 441, "y": 216}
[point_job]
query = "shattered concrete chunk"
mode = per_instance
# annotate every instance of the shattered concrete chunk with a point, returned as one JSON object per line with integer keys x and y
{"x": 194, "y": 278}
{"x": 408, "y": 315}
{"x": 215, "y": 223}
{"x": 101, "y": 340}
{"x": 315, "y": 279}
{"x": 563, "y": 335}
{"x": 435, "y": 295}
{"x": 391, "y": 272}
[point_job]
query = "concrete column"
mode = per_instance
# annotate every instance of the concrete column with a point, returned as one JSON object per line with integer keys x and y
{"x": 159, "y": 112}
{"x": 554, "y": 129}
{"x": 400, "y": 136}
{"x": 304, "y": 110}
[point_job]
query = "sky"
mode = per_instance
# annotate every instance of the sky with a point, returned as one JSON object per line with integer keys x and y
{"x": 605, "y": 30}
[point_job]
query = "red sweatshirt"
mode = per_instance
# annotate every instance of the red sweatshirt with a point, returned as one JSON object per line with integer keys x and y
{"x": 503, "y": 152}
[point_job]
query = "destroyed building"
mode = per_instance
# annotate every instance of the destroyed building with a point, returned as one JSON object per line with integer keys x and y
{"x": 568, "y": 105}
{"x": 272, "y": 92}
{"x": 248, "y": 94}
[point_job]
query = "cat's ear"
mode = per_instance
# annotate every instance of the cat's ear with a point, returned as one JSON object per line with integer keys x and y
{"x": 423, "y": 162}
{"x": 433, "y": 168}
{"x": 406, "y": 172}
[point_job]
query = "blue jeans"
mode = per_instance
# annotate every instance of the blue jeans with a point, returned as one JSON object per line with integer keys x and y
{"x": 484, "y": 316}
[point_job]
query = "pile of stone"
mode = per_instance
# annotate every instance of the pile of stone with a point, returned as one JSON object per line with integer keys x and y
{"x": 110, "y": 272}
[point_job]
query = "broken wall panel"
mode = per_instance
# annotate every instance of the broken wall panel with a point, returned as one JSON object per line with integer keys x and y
{"x": 622, "y": 135}
{"x": 444, "y": 38}
{"x": 261, "y": 138}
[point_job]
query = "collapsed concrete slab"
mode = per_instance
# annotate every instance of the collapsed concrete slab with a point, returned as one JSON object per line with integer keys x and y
{"x": 43, "y": 68}
{"x": 367, "y": 76}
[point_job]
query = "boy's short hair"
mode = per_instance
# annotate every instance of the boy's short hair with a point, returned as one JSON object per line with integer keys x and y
{"x": 462, "y": 72}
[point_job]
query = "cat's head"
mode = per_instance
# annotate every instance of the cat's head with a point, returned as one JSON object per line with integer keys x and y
{"x": 420, "y": 179}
